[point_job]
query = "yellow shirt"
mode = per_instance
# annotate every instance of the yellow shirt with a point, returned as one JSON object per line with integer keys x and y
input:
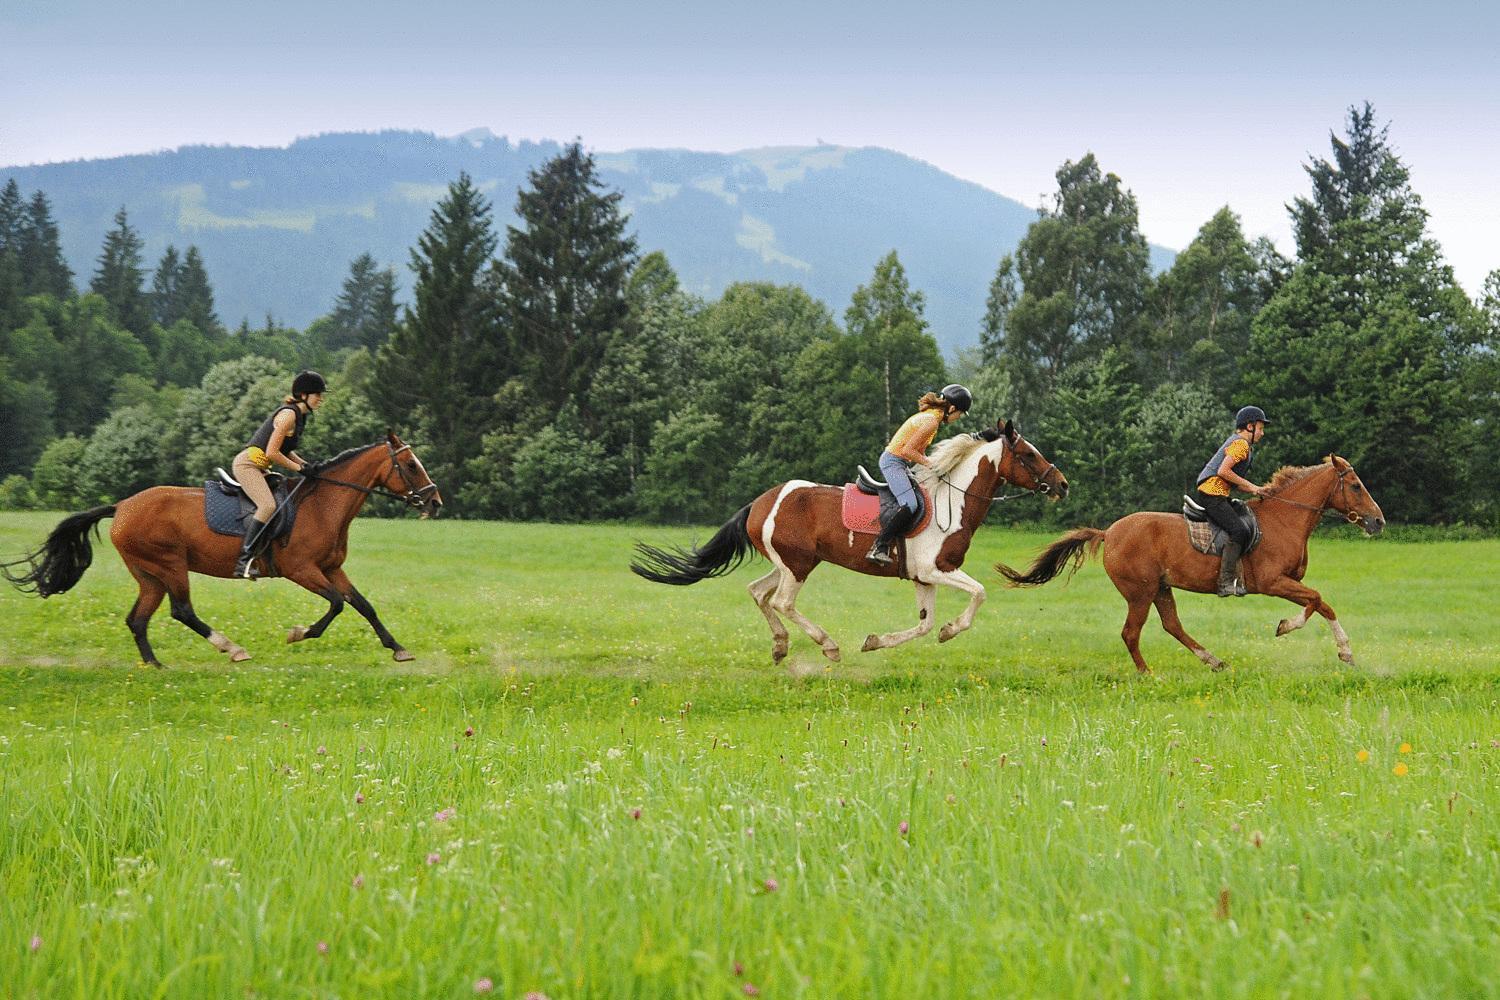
{"x": 917, "y": 433}
{"x": 1215, "y": 485}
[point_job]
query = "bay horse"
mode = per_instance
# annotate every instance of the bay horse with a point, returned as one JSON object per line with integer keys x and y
{"x": 162, "y": 535}
{"x": 798, "y": 524}
{"x": 1147, "y": 554}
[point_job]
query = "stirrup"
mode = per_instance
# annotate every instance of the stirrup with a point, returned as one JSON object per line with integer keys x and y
{"x": 879, "y": 555}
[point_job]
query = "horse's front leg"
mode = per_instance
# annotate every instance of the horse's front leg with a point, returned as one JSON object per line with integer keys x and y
{"x": 1310, "y": 601}
{"x": 925, "y": 592}
{"x": 311, "y": 578}
{"x": 365, "y": 608}
{"x": 962, "y": 581}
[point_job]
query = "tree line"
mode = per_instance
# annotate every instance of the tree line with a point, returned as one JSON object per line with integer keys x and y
{"x": 554, "y": 371}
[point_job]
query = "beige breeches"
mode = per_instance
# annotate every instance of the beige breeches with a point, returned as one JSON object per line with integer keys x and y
{"x": 254, "y": 483}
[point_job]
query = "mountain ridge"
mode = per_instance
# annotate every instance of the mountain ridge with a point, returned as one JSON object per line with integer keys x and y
{"x": 278, "y": 225}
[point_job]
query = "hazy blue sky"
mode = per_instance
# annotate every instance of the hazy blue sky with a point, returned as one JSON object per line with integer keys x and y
{"x": 1195, "y": 105}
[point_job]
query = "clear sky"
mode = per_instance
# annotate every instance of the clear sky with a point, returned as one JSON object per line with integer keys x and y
{"x": 1193, "y": 104}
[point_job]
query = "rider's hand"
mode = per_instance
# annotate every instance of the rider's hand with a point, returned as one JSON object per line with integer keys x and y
{"x": 1260, "y": 491}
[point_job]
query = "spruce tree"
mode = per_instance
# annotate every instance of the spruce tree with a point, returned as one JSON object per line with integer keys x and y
{"x": 166, "y": 302}
{"x": 364, "y": 315}
{"x": 42, "y": 265}
{"x": 564, "y": 278}
{"x": 196, "y": 295}
{"x": 12, "y": 216}
{"x": 118, "y": 278}
{"x": 1362, "y": 350}
{"x": 442, "y": 367}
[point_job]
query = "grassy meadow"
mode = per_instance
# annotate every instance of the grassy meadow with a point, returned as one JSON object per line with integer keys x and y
{"x": 591, "y": 786}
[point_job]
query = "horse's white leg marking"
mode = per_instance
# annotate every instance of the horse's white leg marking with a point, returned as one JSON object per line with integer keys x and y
{"x": 761, "y": 590}
{"x": 1342, "y": 639}
{"x": 784, "y": 600}
{"x": 963, "y": 581}
{"x": 1293, "y": 624}
{"x": 925, "y": 600}
{"x": 220, "y": 642}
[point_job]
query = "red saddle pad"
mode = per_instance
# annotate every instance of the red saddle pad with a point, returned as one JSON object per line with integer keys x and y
{"x": 862, "y": 511}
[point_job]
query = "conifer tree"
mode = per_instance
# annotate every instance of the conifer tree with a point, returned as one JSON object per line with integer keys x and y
{"x": 443, "y": 365}
{"x": 166, "y": 303}
{"x": 564, "y": 278}
{"x": 364, "y": 315}
{"x": 118, "y": 278}
{"x": 12, "y": 216}
{"x": 196, "y": 296}
{"x": 42, "y": 266}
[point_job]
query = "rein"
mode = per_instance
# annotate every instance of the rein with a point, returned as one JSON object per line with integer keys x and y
{"x": 1042, "y": 489}
{"x": 413, "y": 497}
{"x": 1327, "y": 507}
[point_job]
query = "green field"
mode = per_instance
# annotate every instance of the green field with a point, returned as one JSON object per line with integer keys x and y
{"x": 591, "y": 786}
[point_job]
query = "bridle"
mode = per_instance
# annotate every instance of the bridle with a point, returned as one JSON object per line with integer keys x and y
{"x": 1041, "y": 489}
{"x": 1342, "y": 486}
{"x": 415, "y": 497}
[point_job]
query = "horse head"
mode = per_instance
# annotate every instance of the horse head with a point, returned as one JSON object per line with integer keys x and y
{"x": 408, "y": 479}
{"x": 1349, "y": 497}
{"x": 1023, "y": 465}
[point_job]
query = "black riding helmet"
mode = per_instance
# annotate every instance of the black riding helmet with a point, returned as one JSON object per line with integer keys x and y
{"x": 1248, "y": 415}
{"x": 958, "y": 397}
{"x": 307, "y": 383}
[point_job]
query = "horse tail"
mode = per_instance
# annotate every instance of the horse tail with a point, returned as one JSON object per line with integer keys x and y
{"x": 59, "y": 563}
{"x": 729, "y": 547}
{"x": 1076, "y": 546}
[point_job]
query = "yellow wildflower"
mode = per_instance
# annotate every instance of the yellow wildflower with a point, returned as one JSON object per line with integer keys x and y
{"x": 1400, "y": 769}
{"x": 1362, "y": 756}
{"x": 1405, "y": 748}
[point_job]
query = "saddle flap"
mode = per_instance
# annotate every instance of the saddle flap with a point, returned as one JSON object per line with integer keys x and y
{"x": 1208, "y": 537}
{"x": 865, "y": 512}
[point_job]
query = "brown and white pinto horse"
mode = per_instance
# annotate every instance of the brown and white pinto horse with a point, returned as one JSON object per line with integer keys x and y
{"x": 1148, "y": 553}
{"x": 162, "y": 535}
{"x": 799, "y": 524}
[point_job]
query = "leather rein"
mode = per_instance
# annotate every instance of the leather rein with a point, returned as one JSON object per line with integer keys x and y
{"x": 414, "y": 497}
{"x": 1341, "y": 486}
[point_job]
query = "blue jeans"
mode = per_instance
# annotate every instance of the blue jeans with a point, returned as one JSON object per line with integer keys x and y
{"x": 899, "y": 480}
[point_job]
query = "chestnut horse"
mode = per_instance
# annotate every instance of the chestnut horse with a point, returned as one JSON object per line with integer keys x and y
{"x": 162, "y": 535}
{"x": 1147, "y": 554}
{"x": 798, "y": 524}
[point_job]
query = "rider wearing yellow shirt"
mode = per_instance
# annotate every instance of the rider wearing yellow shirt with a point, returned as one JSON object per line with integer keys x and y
{"x": 908, "y": 445}
{"x": 1229, "y": 467}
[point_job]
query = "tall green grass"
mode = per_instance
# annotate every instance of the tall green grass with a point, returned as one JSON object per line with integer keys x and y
{"x": 588, "y": 785}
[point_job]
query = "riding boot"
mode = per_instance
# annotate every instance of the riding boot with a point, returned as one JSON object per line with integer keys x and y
{"x": 1229, "y": 567}
{"x": 880, "y": 552}
{"x": 244, "y": 567}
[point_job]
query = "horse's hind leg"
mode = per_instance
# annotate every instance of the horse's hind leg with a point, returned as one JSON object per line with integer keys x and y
{"x": 925, "y": 592}
{"x": 139, "y": 618}
{"x": 784, "y": 601}
{"x": 365, "y": 608}
{"x": 761, "y": 590}
{"x": 1166, "y": 609}
{"x": 182, "y": 610}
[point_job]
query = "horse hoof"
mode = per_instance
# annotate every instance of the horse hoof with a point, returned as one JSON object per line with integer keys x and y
{"x": 1219, "y": 667}
{"x": 297, "y": 634}
{"x": 402, "y": 656}
{"x": 872, "y": 643}
{"x": 238, "y": 656}
{"x": 946, "y": 632}
{"x": 832, "y": 652}
{"x": 1347, "y": 658}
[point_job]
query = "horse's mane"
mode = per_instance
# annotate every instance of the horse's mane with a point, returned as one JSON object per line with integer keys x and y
{"x": 348, "y": 454}
{"x": 1285, "y": 476}
{"x": 947, "y": 456}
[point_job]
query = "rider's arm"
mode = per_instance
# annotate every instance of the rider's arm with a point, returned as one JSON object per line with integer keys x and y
{"x": 906, "y": 449}
{"x": 1227, "y": 473}
{"x": 285, "y": 421}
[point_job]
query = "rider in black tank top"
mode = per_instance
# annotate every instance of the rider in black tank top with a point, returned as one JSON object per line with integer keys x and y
{"x": 274, "y": 443}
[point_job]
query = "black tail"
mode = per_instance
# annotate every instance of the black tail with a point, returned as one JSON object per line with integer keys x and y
{"x": 1055, "y": 556}
{"x": 59, "y": 563}
{"x": 729, "y": 547}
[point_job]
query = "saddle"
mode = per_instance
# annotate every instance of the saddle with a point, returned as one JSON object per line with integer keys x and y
{"x": 1208, "y": 537}
{"x": 869, "y": 504}
{"x": 229, "y": 511}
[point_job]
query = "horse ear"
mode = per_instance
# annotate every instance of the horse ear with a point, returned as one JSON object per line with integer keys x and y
{"x": 390, "y": 435}
{"x": 1009, "y": 429}
{"x": 1340, "y": 464}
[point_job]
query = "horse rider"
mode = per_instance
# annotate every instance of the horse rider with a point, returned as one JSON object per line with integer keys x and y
{"x": 1229, "y": 467}
{"x": 909, "y": 444}
{"x": 274, "y": 443}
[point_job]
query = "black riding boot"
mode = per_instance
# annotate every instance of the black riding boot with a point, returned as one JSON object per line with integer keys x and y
{"x": 880, "y": 552}
{"x": 244, "y": 567}
{"x": 1229, "y": 569}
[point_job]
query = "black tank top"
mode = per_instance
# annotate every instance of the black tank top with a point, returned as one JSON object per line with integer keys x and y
{"x": 262, "y": 437}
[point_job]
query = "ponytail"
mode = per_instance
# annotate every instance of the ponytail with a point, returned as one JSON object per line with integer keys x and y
{"x": 932, "y": 401}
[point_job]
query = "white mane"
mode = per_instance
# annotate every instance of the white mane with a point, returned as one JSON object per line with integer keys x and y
{"x": 949, "y": 455}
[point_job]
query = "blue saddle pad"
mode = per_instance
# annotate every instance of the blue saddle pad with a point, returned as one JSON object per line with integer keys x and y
{"x": 230, "y": 512}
